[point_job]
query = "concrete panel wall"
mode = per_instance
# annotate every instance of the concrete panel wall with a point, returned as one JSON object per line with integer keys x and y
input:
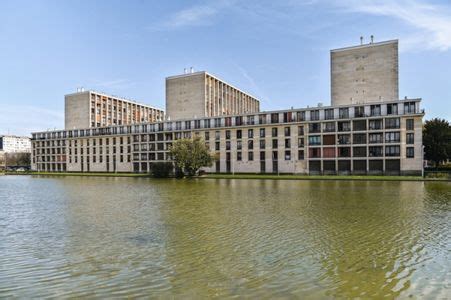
{"x": 365, "y": 74}
{"x": 76, "y": 111}
{"x": 185, "y": 96}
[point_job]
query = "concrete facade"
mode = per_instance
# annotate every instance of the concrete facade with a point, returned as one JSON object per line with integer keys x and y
{"x": 365, "y": 73}
{"x": 15, "y": 144}
{"x": 92, "y": 109}
{"x": 321, "y": 140}
{"x": 200, "y": 94}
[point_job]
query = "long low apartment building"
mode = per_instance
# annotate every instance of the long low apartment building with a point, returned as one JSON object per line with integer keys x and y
{"x": 375, "y": 138}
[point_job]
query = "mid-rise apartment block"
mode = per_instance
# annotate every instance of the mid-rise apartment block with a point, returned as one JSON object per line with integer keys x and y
{"x": 93, "y": 109}
{"x": 376, "y": 135}
{"x": 364, "y": 74}
{"x": 200, "y": 94}
{"x": 15, "y": 144}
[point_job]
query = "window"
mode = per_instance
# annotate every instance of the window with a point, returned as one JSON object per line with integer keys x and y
{"x": 274, "y": 132}
{"x": 207, "y": 135}
{"x": 344, "y": 126}
{"x": 315, "y": 152}
{"x": 344, "y": 139}
{"x": 300, "y": 116}
{"x": 300, "y": 130}
{"x": 359, "y": 111}
{"x": 250, "y": 120}
{"x": 228, "y": 121}
{"x": 329, "y": 127}
{"x": 287, "y": 131}
{"x": 218, "y": 122}
{"x": 207, "y": 123}
{"x": 375, "y": 124}
{"x": 375, "y": 138}
{"x": 274, "y": 143}
{"x": 288, "y": 117}
{"x": 329, "y": 114}
{"x": 217, "y": 146}
{"x": 359, "y": 138}
{"x": 314, "y": 140}
{"x": 197, "y": 124}
{"x": 262, "y": 144}
{"x": 375, "y": 151}
{"x": 250, "y": 156}
{"x": 228, "y": 145}
{"x": 410, "y": 152}
{"x": 409, "y": 124}
{"x": 250, "y": 133}
{"x": 392, "y": 137}
{"x": 409, "y": 138}
{"x": 238, "y": 121}
{"x": 392, "y": 123}
{"x": 262, "y": 155}
{"x": 391, "y": 150}
{"x": 239, "y": 145}
{"x": 359, "y": 125}
{"x": 314, "y": 115}
{"x": 288, "y": 155}
{"x": 359, "y": 151}
{"x": 300, "y": 154}
{"x": 287, "y": 143}
{"x": 375, "y": 110}
{"x": 314, "y": 127}
{"x": 274, "y": 118}
{"x": 409, "y": 107}
{"x": 392, "y": 109}
{"x": 238, "y": 156}
{"x": 250, "y": 144}
{"x": 343, "y": 113}
{"x": 239, "y": 134}
{"x": 262, "y": 119}
{"x": 227, "y": 134}
{"x": 262, "y": 132}
{"x": 300, "y": 142}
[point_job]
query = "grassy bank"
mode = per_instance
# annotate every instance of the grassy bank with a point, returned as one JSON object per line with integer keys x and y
{"x": 246, "y": 176}
{"x": 80, "y": 174}
{"x": 320, "y": 177}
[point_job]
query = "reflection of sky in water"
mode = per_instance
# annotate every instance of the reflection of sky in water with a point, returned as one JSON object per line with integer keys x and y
{"x": 201, "y": 238}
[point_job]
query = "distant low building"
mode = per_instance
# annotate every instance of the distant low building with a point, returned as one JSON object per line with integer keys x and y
{"x": 15, "y": 144}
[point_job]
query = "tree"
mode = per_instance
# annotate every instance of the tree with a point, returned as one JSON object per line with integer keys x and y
{"x": 437, "y": 140}
{"x": 161, "y": 169}
{"x": 190, "y": 155}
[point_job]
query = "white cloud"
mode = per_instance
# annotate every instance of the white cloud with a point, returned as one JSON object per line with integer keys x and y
{"x": 431, "y": 21}
{"x": 194, "y": 16}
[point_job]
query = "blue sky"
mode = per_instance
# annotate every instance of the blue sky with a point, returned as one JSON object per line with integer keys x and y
{"x": 275, "y": 50}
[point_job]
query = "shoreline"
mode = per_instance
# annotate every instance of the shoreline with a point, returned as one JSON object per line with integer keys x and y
{"x": 245, "y": 176}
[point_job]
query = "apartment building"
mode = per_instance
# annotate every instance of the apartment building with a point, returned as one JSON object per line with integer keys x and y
{"x": 200, "y": 94}
{"x": 85, "y": 109}
{"x": 366, "y": 130}
{"x": 365, "y": 73}
{"x": 15, "y": 144}
{"x": 379, "y": 138}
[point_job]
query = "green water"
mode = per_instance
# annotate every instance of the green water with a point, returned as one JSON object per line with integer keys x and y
{"x": 130, "y": 237}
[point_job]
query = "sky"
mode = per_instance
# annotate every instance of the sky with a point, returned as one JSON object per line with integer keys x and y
{"x": 277, "y": 51}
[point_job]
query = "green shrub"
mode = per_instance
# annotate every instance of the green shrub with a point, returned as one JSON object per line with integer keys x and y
{"x": 161, "y": 169}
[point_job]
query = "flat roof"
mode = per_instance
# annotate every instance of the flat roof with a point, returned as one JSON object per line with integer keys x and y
{"x": 213, "y": 76}
{"x": 365, "y": 45}
{"x": 115, "y": 97}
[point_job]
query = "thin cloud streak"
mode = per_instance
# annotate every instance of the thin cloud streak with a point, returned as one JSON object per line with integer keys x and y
{"x": 432, "y": 22}
{"x": 193, "y": 16}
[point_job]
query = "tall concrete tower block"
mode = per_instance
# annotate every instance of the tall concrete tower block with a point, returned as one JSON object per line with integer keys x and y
{"x": 365, "y": 73}
{"x": 200, "y": 94}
